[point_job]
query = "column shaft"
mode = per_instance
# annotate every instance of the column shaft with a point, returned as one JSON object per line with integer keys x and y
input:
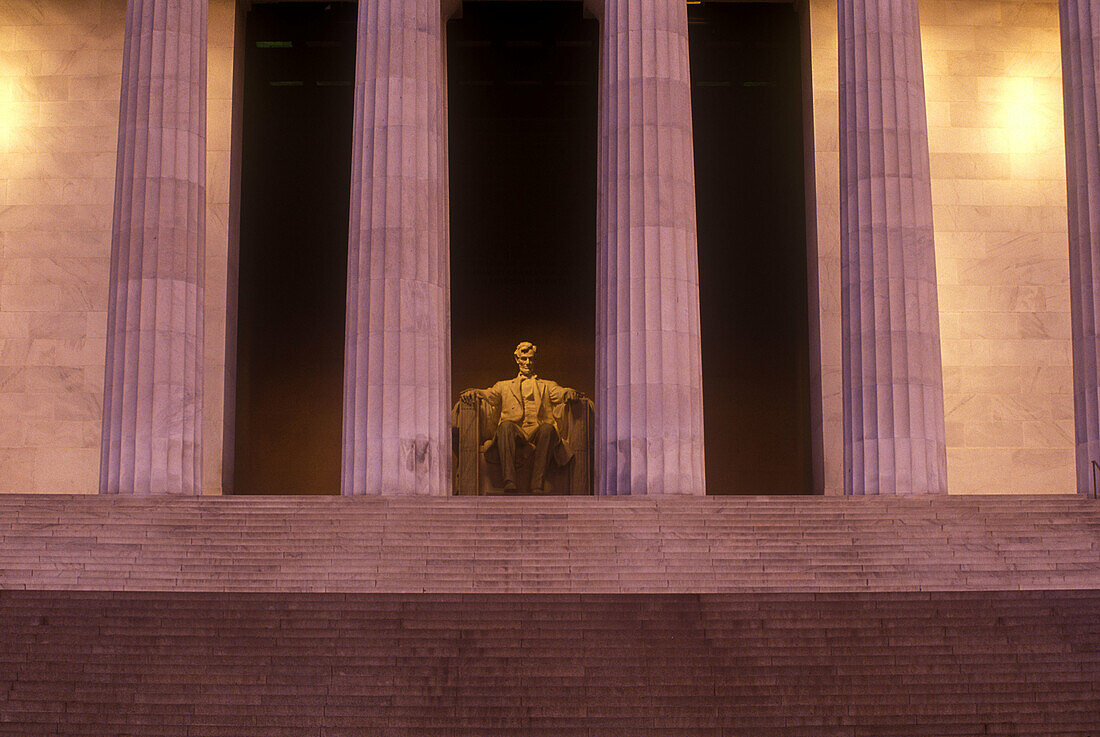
{"x": 649, "y": 406}
{"x": 396, "y": 437}
{"x": 893, "y": 381}
{"x": 1081, "y": 76}
{"x": 152, "y": 399}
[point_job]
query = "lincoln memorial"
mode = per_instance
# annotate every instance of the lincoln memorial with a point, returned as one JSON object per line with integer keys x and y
{"x": 259, "y": 248}
{"x": 811, "y": 445}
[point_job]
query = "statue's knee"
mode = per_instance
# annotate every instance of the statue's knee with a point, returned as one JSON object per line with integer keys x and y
{"x": 507, "y": 429}
{"x": 548, "y": 430}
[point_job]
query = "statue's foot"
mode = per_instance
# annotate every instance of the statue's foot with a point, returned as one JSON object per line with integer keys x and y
{"x": 509, "y": 485}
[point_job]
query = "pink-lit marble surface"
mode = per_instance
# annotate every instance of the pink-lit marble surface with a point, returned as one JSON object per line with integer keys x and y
{"x": 1081, "y": 70}
{"x": 893, "y": 386}
{"x": 397, "y": 390}
{"x": 649, "y": 405}
{"x": 152, "y": 416}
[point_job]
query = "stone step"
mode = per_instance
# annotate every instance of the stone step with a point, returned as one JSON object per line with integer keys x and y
{"x": 792, "y": 664}
{"x": 547, "y": 545}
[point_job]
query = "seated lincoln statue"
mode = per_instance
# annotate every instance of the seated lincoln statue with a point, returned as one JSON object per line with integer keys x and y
{"x": 527, "y": 406}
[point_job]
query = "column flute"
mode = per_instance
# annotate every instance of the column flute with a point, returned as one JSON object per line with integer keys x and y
{"x": 152, "y": 396}
{"x": 649, "y": 405}
{"x": 894, "y": 437}
{"x": 396, "y": 437}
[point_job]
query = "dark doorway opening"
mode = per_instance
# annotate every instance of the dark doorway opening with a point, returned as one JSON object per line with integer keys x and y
{"x": 746, "y": 69}
{"x": 299, "y": 67}
{"x": 523, "y": 121}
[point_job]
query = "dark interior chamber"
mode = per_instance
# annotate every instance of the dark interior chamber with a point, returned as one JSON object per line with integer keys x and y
{"x": 750, "y": 194}
{"x": 523, "y": 107}
{"x": 523, "y": 97}
{"x": 299, "y": 66}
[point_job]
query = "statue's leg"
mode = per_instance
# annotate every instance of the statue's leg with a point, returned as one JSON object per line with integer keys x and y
{"x": 508, "y": 433}
{"x": 545, "y": 439}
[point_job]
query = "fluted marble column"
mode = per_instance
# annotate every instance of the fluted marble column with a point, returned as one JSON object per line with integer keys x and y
{"x": 397, "y": 351}
{"x": 649, "y": 408}
{"x": 893, "y": 381}
{"x": 1081, "y": 76}
{"x": 152, "y": 403}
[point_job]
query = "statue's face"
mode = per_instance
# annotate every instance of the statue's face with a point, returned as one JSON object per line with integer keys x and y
{"x": 525, "y": 359}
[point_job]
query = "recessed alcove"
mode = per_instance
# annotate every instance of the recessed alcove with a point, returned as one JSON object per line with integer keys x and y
{"x": 523, "y": 123}
{"x": 299, "y": 67}
{"x": 746, "y": 67}
{"x": 523, "y": 93}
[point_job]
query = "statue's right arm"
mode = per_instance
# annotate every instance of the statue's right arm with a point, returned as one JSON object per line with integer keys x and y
{"x": 491, "y": 395}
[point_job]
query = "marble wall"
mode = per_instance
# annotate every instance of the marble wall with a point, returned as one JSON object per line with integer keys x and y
{"x": 60, "y": 73}
{"x": 825, "y": 92}
{"x": 994, "y": 89}
{"x": 220, "y": 224}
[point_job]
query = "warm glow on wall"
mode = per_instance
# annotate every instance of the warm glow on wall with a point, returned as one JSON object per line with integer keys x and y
{"x": 18, "y": 116}
{"x": 9, "y": 115}
{"x": 1019, "y": 115}
{"x": 994, "y": 91}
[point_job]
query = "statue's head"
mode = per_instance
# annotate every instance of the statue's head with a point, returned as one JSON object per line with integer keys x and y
{"x": 525, "y": 357}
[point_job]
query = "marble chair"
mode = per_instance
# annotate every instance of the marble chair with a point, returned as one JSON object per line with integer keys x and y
{"x": 474, "y": 425}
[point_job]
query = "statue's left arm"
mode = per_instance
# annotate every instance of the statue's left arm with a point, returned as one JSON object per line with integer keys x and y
{"x": 559, "y": 394}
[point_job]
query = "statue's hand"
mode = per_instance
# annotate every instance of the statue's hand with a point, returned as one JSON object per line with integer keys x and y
{"x": 571, "y": 394}
{"x": 469, "y": 397}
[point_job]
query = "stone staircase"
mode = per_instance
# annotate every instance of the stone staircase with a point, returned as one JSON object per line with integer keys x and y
{"x": 801, "y": 617}
{"x": 546, "y": 545}
{"x": 298, "y": 665}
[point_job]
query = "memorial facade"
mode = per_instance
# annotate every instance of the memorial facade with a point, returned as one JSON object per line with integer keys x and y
{"x": 948, "y": 327}
{"x": 848, "y": 242}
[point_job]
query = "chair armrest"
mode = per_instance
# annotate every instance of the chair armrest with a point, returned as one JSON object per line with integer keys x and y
{"x": 465, "y": 417}
{"x": 577, "y": 419}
